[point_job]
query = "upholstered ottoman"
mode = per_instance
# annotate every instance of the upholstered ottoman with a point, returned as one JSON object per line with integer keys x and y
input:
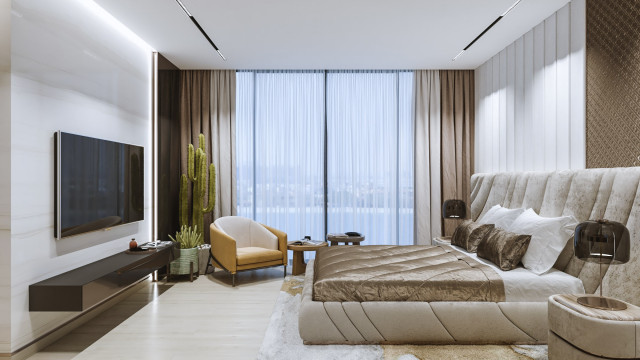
{"x": 580, "y": 332}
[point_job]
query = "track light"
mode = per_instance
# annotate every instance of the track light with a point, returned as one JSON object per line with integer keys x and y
{"x": 195, "y": 22}
{"x": 485, "y": 30}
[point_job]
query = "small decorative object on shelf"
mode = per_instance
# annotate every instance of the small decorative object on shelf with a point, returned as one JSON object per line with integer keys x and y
{"x": 602, "y": 242}
{"x": 133, "y": 244}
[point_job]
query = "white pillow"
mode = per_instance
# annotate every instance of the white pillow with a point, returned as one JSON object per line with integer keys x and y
{"x": 548, "y": 237}
{"x": 499, "y": 216}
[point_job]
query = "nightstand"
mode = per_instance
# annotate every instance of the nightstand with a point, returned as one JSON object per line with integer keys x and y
{"x": 441, "y": 240}
{"x": 581, "y": 332}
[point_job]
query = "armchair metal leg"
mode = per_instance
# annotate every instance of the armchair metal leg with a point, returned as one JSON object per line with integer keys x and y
{"x": 209, "y": 263}
{"x": 233, "y": 280}
{"x": 285, "y": 271}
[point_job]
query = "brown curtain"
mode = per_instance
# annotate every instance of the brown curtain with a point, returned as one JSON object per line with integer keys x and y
{"x": 168, "y": 160}
{"x": 195, "y": 118}
{"x": 458, "y": 117}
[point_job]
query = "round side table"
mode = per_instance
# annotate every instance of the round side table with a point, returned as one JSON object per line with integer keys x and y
{"x": 299, "y": 266}
{"x": 580, "y": 332}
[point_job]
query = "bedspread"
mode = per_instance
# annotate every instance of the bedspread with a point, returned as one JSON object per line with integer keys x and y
{"x": 402, "y": 273}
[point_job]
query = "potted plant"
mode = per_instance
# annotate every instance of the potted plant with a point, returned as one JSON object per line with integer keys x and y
{"x": 189, "y": 239}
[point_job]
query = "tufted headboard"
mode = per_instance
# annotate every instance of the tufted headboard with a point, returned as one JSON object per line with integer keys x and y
{"x": 611, "y": 194}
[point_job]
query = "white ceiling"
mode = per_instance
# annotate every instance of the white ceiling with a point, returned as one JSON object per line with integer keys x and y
{"x": 329, "y": 34}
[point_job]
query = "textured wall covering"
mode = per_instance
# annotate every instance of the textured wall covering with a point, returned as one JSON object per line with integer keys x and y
{"x": 530, "y": 99}
{"x": 613, "y": 78}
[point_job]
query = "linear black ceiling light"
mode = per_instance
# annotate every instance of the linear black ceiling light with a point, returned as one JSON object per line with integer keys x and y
{"x": 195, "y": 22}
{"x": 487, "y": 29}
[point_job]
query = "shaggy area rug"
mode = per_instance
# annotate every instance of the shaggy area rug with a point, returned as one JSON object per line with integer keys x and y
{"x": 282, "y": 340}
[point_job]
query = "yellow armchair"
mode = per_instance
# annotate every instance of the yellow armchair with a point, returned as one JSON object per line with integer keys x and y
{"x": 239, "y": 244}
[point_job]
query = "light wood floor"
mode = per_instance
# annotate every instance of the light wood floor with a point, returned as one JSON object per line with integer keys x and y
{"x": 206, "y": 319}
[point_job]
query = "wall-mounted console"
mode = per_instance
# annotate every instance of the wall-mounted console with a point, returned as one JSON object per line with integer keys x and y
{"x": 84, "y": 287}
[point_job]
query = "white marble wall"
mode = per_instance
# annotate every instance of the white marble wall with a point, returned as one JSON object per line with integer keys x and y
{"x": 530, "y": 99}
{"x": 5, "y": 175}
{"x": 72, "y": 71}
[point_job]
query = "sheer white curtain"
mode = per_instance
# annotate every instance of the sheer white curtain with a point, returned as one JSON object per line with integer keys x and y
{"x": 370, "y": 155}
{"x": 280, "y": 121}
{"x": 280, "y": 145}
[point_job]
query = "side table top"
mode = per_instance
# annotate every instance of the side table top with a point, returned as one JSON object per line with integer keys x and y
{"x": 631, "y": 313}
{"x": 293, "y": 247}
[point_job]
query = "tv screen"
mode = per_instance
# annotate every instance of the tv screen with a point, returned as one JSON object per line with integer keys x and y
{"x": 99, "y": 184}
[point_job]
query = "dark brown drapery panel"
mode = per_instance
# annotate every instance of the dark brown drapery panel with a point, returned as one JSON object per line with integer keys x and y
{"x": 458, "y": 117}
{"x": 195, "y": 119}
{"x": 168, "y": 127}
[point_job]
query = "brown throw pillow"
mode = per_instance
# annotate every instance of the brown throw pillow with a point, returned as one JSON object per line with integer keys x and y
{"x": 504, "y": 248}
{"x": 469, "y": 234}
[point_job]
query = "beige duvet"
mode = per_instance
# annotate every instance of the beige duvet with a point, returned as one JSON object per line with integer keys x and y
{"x": 402, "y": 273}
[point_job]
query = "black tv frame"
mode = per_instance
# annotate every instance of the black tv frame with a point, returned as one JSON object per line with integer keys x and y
{"x": 57, "y": 224}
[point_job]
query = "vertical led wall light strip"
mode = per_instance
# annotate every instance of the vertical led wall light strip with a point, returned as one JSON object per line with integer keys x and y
{"x": 487, "y": 29}
{"x": 195, "y": 22}
{"x": 154, "y": 147}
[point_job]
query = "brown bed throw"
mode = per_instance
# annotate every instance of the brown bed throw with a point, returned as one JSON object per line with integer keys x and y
{"x": 402, "y": 273}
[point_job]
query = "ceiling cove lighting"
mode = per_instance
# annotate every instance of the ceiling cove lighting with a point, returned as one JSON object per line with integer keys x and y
{"x": 487, "y": 29}
{"x": 195, "y": 22}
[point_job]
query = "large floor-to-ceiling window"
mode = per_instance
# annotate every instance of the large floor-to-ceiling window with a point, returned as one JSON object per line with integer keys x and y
{"x": 327, "y": 151}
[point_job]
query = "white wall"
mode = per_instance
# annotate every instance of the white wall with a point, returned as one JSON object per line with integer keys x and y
{"x": 5, "y": 175}
{"x": 530, "y": 99}
{"x": 72, "y": 71}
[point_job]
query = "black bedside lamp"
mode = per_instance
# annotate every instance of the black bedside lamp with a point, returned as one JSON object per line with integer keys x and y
{"x": 454, "y": 209}
{"x": 602, "y": 242}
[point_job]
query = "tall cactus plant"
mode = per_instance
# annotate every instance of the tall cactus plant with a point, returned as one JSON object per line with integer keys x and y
{"x": 197, "y": 175}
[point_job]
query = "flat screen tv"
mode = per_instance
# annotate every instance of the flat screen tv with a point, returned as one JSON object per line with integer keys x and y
{"x": 99, "y": 184}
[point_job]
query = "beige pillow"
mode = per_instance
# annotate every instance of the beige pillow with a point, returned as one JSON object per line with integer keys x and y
{"x": 469, "y": 234}
{"x": 504, "y": 248}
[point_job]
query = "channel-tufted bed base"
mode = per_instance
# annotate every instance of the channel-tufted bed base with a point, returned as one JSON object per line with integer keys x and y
{"x": 380, "y": 322}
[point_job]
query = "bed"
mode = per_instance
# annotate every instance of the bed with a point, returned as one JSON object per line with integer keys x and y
{"x": 514, "y": 308}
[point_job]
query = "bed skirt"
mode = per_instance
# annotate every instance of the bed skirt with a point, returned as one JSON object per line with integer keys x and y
{"x": 412, "y": 322}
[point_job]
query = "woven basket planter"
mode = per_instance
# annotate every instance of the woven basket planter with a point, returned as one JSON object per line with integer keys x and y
{"x": 182, "y": 265}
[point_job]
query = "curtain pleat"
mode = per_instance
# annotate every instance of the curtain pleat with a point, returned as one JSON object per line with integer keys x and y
{"x": 458, "y": 110}
{"x": 427, "y": 132}
{"x": 223, "y": 140}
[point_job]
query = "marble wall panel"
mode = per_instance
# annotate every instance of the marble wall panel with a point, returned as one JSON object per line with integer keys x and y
{"x": 76, "y": 73}
{"x": 5, "y": 176}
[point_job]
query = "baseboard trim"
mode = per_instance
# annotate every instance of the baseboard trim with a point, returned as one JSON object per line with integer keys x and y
{"x": 55, "y": 334}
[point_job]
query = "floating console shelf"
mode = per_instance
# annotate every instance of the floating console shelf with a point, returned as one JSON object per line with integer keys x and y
{"x": 84, "y": 287}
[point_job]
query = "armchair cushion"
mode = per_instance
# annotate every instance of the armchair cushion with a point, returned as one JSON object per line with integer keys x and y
{"x": 247, "y": 233}
{"x": 253, "y": 255}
